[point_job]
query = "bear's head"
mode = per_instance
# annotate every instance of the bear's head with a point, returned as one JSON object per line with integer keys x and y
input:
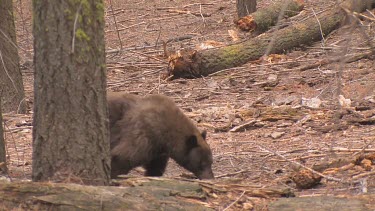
{"x": 198, "y": 157}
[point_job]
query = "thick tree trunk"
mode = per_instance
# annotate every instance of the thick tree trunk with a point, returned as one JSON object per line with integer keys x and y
{"x": 70, "y": 133}
{"x": 202, "y": 63}
{"x": 3, "y": 166}
{"x": 11, "y": 83}
{"x": 264, "y": 18}
{"x": 245, "y": 7}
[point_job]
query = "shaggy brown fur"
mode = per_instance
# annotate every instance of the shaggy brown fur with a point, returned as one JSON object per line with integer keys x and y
{"x": 148, "y": 131}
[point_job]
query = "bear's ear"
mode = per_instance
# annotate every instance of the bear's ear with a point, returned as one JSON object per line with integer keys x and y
{"x": 192, "y": 142}
{"x": 204, "y": 134}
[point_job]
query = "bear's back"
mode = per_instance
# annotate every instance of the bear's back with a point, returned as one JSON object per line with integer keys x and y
{"x": 166, "y": 118}
{"x": 155, "y": 115}
{"x": 119, "y": 103}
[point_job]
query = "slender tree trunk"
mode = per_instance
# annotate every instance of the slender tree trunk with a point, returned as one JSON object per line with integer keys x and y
{"x": 70, "y": 133}
{"x": 245, "y": 7}
{"x": 3, "y": 166}
{"x": 10, "y": 74}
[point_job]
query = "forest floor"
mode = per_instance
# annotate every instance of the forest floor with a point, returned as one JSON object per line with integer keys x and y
{"x": 290, "y": 117}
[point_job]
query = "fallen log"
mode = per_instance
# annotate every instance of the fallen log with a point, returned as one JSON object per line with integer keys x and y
{"x": 134, "y": 193}
{"x": 192, "y": 64}
{"x": 155, "y": 195}
{"x": 264, "y": 18}
{"x": 342, "y": 203}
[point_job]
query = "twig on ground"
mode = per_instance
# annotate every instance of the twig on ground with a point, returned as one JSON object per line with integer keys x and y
{"x": 364, "y": 148}
{"x": 233, "y": 173}
{"x": 188, "y": 12}
{"x": 363, "y": 175}
{"x": 303, "y": 166}
{"x": 320, "y": 28}
{"x": 200, "y": 11}
{"x": 157, "y": 39}
{"x": 125, "y": 28}
{"x": 300, "y": 158}
{"x": 231, "y": 204}
{"x": 120, "y": 83}
{"x": 115, "y": 20}
{"x": 341, "y": 149}
{"x": 243, "y": 126}
{"x": 347, "y": 59}
{"x": 16, "y": 129}
{"x": 189, "y": 5}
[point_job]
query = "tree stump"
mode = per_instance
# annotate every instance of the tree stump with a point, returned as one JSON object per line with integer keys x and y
{"x": 245, "y": 7}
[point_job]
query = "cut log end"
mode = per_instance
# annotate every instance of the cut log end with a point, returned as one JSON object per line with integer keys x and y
{"x": 181, "y": 65}
{"x": 246, "y": 23}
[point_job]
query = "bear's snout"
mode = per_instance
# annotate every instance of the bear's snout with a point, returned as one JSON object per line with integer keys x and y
{"x": 206, "y": 174}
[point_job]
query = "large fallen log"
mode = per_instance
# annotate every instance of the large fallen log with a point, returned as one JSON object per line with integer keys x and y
{"x": 154, "y": 195}
{"x": 261, "y": 20}
{"x": 342, "y": 203}
{"x": 135, "y": 193}
{"x": 193, "y": 64}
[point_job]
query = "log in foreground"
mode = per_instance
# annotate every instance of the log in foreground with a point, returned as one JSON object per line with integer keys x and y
{"x": 154, "y": 195}
{"x": 261, "y": 20}
{"x": 135, "y": 193}
{"x": 194, "y": 64}
{"x": 363, "y": 202}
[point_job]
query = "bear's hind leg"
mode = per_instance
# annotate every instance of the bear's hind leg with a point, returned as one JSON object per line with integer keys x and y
{"x": 156, "y": 167}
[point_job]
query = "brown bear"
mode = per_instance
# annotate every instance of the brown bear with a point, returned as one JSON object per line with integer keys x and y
{"x": 148, "y": 131}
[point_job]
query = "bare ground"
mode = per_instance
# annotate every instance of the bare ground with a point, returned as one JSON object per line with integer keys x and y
{"x": 271, "y": 94}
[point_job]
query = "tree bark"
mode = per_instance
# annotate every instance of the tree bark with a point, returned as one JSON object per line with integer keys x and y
{"x": 245, "y": 7}
{"x": 11, "y": 83}
{"x": 202, "y": 63}
{"x": 70, "y": 133}
{"x": 264, "y": 18}
{"x": 3, "y": 166}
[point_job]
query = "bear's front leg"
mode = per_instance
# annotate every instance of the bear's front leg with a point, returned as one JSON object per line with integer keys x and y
{"x": 156, "y": 167}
